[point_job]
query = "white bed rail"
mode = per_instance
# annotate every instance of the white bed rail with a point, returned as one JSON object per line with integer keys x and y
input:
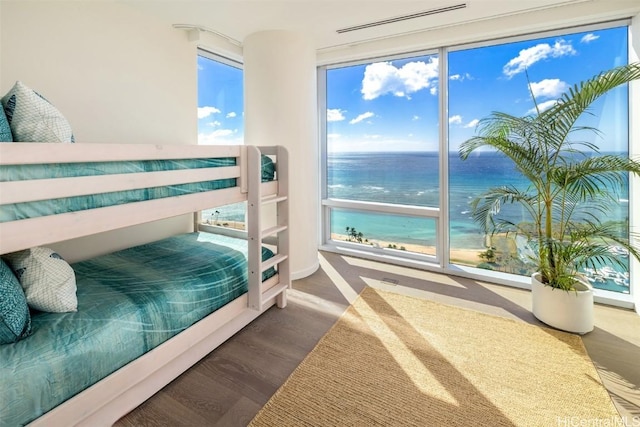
{"x": 273, "y": 192}
{"x": 109, "y": 399}
{"x": 26, "y": 233}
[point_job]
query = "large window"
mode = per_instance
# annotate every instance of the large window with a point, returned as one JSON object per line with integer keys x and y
{"x": 382, "y": 154}
{"x": 221, "y": 122}
{"x": 389, "y": 145}
{"x": 504, "y": 77}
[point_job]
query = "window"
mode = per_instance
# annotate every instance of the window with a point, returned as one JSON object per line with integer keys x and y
{"x": 494, "y": 78}
{"x": 388, "y": 145}
{"x": 382, "y": 154}
{"x": 221, "y": 122}
{"x": 220, "y": 101}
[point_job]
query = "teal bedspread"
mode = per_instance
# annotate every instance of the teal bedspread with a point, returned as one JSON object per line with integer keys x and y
{"x": 17, "y": 211}
{"x": 129, "y": 302}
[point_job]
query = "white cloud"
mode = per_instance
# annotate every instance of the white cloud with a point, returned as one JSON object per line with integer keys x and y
{"x": 588, "y": 38}
{"x": 542, "y": 106}
{"x": 415, "y": 118}
{"x": 333, "y": 135}
{"x": 528, "y": 57}
{"x": 214, "y": 123}
{"x": 460, "y": 77}
{"x": 381, "y": 78}
{"x": 221, "y": 136}
{"x": 206, "y": 111}
{"x": 455, "y": 120}
{"x": 473, "y": 123}
{"x": 548, "y": 88}
{"x": 334, "y": 115}
{"x": 223, "y": 132}
{"x": 231, "y": 115}
{"x": 362, "y": 117}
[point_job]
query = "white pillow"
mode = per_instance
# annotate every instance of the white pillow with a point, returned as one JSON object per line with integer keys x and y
{"x": 32, "y": 118}
{"x": 48, "y": 281}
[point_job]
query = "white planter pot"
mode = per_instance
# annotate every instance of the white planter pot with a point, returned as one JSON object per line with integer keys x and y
{"x": 570, "y": 311}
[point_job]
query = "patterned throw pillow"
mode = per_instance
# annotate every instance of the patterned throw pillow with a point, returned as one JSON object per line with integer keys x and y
{"x": 268, "y": 168}
{"x": 15, "y": 320}
{"x": 32, "y": 118}
{"x": 5, "y": 129}
{"x": 49, "y": 283}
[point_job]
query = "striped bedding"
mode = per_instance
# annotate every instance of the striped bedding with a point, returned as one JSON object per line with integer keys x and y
{"x": 129, "y": 302}
{"x": 18, "y": 211}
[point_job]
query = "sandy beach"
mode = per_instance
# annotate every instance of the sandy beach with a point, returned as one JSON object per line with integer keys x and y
{"x": 463, "y": 256}
{"x": 237, "y": 225}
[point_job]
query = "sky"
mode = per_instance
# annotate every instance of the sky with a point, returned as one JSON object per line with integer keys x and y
{"x": 393, "y": 105}
{"x": 220, "y": 103}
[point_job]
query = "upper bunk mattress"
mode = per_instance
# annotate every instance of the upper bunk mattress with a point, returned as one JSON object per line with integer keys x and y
{"x": 129, "y": 302}
{"x": 24, "y": 210}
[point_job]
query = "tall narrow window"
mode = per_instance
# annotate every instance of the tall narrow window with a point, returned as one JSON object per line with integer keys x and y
{"x": 221, "y": 122}
{"x": 382, "y": 155}
{"x": 220, "y": 101}
{"x": 505, "y": 77}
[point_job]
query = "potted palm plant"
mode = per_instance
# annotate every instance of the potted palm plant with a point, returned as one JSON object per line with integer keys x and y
{"x": 571, "y": 188}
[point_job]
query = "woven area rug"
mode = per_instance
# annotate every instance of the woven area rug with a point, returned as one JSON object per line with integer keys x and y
{"x": 393, "y": 360}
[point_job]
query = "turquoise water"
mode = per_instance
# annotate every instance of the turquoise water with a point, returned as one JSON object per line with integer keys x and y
{"x": 413, "y": 179}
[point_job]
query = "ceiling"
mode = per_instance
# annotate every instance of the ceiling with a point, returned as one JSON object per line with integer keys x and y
{"x": 320, "y": 19}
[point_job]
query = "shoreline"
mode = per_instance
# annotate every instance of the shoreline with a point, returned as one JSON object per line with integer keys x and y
{"x": 464, "y": 256}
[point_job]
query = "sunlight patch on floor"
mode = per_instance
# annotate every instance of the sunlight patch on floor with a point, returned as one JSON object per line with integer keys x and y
{"x": 404, "y": 356}
{"x": 406, "y": 359}
{"x": 403, "y": 271}
{"x": 397, "y": 288}
{"x": 343, "y": 286}
{"x": 314, "y": 303}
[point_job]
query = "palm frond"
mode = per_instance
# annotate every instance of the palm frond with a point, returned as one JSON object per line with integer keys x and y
{"x": 571, "y": 185}
{"x": 561, "y": 118}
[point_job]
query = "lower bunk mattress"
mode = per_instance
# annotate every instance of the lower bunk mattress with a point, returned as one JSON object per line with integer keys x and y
{"x": 129, "y": 302}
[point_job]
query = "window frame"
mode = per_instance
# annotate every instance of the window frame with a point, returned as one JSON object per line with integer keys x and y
{"x": 220, "y": 58}
{"x": 199, "y": 223}
{"x": 326, "y": 203}
{"x": 441, "y": 262}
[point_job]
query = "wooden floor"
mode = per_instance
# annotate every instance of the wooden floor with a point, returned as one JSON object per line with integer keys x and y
{"x": 230, "y": 385}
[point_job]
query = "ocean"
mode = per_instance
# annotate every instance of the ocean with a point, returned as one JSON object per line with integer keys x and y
{"x": 413, "y": 179}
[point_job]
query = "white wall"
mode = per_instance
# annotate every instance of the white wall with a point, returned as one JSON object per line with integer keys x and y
{"x": 281, "y": 109}
{"x": 117, "y": 75}
{"x": 535, "y": 21}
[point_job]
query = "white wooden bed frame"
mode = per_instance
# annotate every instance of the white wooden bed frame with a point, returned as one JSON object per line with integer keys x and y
{"x": 117, "y": 394}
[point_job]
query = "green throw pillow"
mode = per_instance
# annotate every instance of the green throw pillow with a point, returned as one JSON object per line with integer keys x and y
{"x": 15, "y": 319}
{"x": 268, "y": 169}
{"x": 5, "y": 129}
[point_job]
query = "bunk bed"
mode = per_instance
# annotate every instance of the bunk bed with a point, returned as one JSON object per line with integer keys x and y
{"x": 153, "y": 298}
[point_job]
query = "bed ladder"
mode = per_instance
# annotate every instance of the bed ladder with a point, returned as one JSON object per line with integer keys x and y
{"x": 260, "y": 195}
